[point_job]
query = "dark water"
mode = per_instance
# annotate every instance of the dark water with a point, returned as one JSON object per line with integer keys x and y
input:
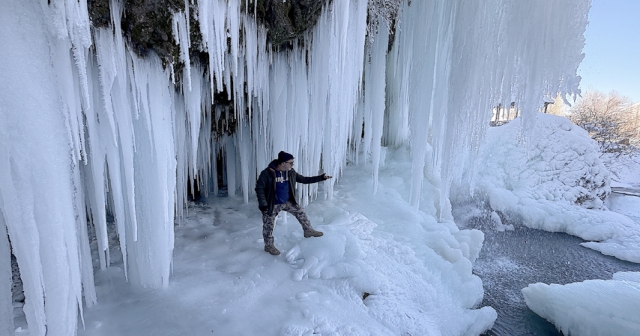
{"x": 511, "y": 260}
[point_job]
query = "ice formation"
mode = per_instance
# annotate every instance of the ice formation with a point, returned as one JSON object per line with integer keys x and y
{"x": 88, "y": 126}
{"x": 556, "y": 182}
{"x": 592, "y": 307}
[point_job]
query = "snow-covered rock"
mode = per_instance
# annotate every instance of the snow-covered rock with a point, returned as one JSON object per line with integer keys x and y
{"x": 554, "y": 161}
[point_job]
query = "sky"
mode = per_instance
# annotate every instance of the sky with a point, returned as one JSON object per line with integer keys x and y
{"x": 612, "y": 49}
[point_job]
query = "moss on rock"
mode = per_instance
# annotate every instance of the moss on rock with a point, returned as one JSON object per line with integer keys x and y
{"x": 99, "y": 13}
{"x": 286, "y": 20}
{"x": 148, "y": 25}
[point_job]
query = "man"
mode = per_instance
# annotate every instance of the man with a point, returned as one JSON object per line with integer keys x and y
{"x": 276, "y": 190}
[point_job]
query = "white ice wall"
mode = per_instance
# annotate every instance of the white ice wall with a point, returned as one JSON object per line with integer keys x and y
{"x": 37, "y": 167}
{"x": 86, "y": 123}
{"x": 455, "y": 60}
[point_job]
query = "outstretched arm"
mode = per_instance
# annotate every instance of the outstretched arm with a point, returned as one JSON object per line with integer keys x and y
{"x": 313, "y": 179}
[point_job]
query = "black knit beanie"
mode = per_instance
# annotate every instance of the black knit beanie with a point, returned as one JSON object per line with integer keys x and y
{"x": 284, "y": 156}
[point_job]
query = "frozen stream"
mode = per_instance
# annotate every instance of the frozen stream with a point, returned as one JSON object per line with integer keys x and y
{"x": 511, "y": 260}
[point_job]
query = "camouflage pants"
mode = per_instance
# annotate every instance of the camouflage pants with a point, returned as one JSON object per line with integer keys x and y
{"x": 268, "y": 222}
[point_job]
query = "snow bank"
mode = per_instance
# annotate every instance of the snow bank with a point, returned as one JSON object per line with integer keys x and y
{"x": 551, "y": 178}
{"x": 592, "y": 307}
{"x": 557, "y": 161}
{"x": 624, "y": 168}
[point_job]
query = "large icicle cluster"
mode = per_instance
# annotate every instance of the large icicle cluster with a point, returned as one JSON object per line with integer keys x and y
{"x": 88, "y": 127}
{"x": 455, "y": 60}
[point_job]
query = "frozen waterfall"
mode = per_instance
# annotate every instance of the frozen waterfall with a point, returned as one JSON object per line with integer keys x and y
{"x": 89, "y": 128}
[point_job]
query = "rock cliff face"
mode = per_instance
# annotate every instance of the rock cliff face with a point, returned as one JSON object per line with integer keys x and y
{"x": 147, "y": 24}
{"x": 286, "y": 20}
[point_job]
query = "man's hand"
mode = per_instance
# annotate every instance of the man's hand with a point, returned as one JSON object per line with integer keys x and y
{"x": 263, "y": 208}
{"x": 326, "y": 177}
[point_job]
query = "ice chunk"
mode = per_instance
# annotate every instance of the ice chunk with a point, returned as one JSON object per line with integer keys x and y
{"x": 592, "y": 307}
{"x": 627, "y": 276}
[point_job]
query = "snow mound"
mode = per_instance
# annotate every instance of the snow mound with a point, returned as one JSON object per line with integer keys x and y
{"x": 557, "y": 161}
{"x": 402, "y": 292}
{"x": 553, "y": 180}
{"x": 592, "y": 307}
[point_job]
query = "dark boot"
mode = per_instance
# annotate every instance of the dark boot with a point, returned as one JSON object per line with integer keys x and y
{"x": 271, "y": 249}
{"x": 312, "y": 233}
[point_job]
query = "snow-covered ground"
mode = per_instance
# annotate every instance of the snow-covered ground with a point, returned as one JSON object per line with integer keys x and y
{"x": 624, "y": 168}
{"x": 552, "y": 178}
{"x": 380, "y": 269}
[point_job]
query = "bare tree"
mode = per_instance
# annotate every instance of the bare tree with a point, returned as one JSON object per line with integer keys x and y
{"x": 609, "y": 119}
{"x": 631, "y": 126}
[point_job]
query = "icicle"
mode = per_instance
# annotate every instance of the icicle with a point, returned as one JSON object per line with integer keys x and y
{"x": 71, "y": 26}
{"x": 376, "y": 93}
{"x": 214, "y": 38}
{"x": 231, "y": 166}
{"x": 82, "y": 281}
{"x": 193, "y": 103}
{"x": 397, "y": 93}
{"x": 335, "y": 78}
{"x": 358, "y": 128}
{"x": 86, "y": 262}
{"x": 95, "y": 174}
{"x": 181, "y": 35}
{"x": 367, "y": 129}
{"x": 245, "y": 155}
{"x": 154, "y": 173}
{"x": 206, "y": 156}
{"x": 104, "y": 52}
{"x": 233, "y": 33}
{"x": 6, "y": 299}
{"x": 183, "y": 174}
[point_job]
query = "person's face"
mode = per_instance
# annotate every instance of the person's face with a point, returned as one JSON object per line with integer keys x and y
{"x": 286, "y": 165}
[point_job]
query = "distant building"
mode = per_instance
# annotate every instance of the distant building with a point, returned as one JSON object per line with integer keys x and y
{"x": 502, "y": 115}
